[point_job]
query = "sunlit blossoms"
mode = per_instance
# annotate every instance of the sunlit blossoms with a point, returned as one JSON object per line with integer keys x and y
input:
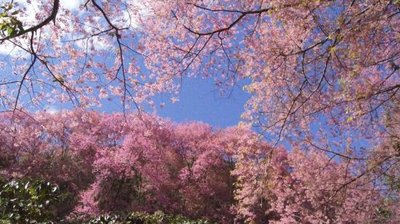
{"x": 324, "y": 85}
{"x": 112, "y": 163}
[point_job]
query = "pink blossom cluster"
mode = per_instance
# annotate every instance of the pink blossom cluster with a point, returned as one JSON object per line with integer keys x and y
{"x": 139, "y": 162}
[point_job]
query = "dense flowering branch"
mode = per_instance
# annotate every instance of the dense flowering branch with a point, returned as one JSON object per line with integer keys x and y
{"x": 323, "y": 72}
{"x": 35, "y": 28}
{"x": 112, "y": 164}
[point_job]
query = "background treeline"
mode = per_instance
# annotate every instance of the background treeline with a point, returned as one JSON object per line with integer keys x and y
{"x": 76, "y": 166}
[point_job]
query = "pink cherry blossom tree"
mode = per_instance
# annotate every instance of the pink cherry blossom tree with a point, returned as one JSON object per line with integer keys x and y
{"x": 329, "y": 64}
{"x": 323, "y": 77}
{"x": 304, "y": 60}
{"x": 108, "y": 163}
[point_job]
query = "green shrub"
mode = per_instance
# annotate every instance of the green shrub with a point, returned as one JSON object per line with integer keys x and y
{"x": 28, "y": 201}
{"x": 36, "y": 201}
{"x": 145, "y": 218}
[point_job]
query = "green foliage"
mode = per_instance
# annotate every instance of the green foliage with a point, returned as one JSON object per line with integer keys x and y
{"x": 9, "y": 24}
{"x": 35, "y": 201}
{"x": 109, "y": 219}
{"x": 384, "y": 214}
{"x": 145, "y": 218}
{"x": 27, "y": 201}
{"x": 161, "y": 218}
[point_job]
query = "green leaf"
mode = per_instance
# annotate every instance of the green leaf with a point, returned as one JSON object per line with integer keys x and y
{"x": 10, "y": 30}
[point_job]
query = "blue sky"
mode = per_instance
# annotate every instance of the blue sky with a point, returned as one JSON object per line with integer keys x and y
{"x": 200, "y": 100}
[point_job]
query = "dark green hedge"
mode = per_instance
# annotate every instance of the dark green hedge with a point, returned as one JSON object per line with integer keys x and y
{"x": 36, "y": 201}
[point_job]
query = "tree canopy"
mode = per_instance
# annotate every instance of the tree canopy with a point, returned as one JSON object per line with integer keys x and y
{"x": 323, "y": 76}
{"x": 304, "y": 60}
{"x": 104, "y": 163}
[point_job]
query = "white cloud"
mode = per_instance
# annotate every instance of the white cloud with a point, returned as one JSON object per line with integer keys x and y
{"x": 52, "y": 110}
{"x": 8, "y": 49}
{"x": 134, "y": 10}
{"x": 29, "y": 15}
{"x": 71, "y": 4}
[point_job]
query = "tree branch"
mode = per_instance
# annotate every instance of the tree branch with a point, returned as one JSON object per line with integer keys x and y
{"x": 51, "y": 17}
